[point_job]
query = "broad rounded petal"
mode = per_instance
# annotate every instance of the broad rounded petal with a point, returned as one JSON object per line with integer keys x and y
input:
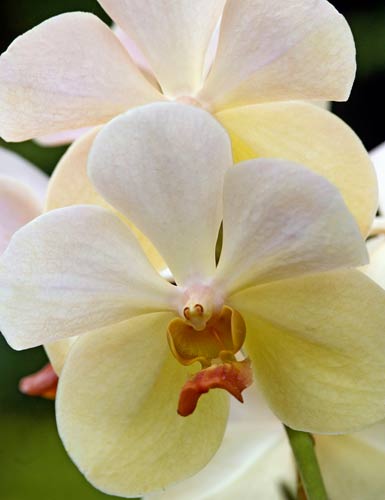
{"x": 279, "y": 51}
{"x": 378, "y": 158}
{"x": 317, "y": 345}
{"x": 253, "y": 445}
{"x": 351, "y": 467}
{"x": 70, "y": 185}
{"x": 311, "y": 136}
{"x": 116, "y": 410}
{"x": 18, "y": 205}
{"x": 280, "y": 221}
{"x": 73, "y": 270}
{"x": 18, "y": 168}
{"x": 69, "y": 72}
{"x": 166, "y": 165}
{"x": 173, "y": 37}
{"x": 62, "y": 138}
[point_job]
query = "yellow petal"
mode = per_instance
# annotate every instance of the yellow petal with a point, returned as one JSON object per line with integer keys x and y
{"x": 116, "y": 410}
{"x": 70, "y": 185}
{"x": 352, "y": 467}
{"x": 313, "y": 137}
{"x": 317, "y": 344}
{"x": 279, "y": 50}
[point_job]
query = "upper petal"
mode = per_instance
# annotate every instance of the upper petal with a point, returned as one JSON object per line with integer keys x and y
{"x": 18, "y": 205}
{"x": 311, "y": 136}
{"x": 173, "y": 36}
{"x": 279, "y": 50}
{"x": 73, "y": 270}
{"x": 317, "y": 344}
{"x": 378, "y": 158}
{"x": 70, "y": 71}
{"x": 166, "y": 165}
{"x": 116, "y": 410}
{"x": 70, "y": 185}
{"x": 282, "y": 220}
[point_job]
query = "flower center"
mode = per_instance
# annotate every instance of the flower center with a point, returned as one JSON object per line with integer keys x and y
{"x": 212, "y": 334}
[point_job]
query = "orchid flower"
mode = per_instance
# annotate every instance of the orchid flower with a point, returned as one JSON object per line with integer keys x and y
{"x": 254, "y": 459}
{"x": 246, "y": 61}
{"x": 283, "y": 293}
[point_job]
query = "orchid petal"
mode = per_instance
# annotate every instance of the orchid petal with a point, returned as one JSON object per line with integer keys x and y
{"x": 277, "y": 51}
{"x": 18, "y": 205}
{"x": 116, "y": 410}
{"x": 281, "y": 220}
{"x": 69, "y": 72}
{"x": 70, "y": 185}
{"x": 74, "y": 270}
{"x": 173, "y": 37}
{"x": 317, "y": 345}
{"x": 313, "y": 137}
{"x": 166, "y": 165}
{"x": 378, "y": 159}
{"x": 19, "y": 169}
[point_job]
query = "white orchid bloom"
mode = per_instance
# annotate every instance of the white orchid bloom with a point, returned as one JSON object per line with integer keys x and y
{"x": 282, "y": 289}
{"x": 72, "y": 71}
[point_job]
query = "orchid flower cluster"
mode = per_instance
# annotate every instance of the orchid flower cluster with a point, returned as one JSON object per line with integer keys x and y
{"x": 202, "y": 241}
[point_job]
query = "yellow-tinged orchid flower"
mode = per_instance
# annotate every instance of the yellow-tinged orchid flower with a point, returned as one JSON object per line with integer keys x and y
{"x": 247, "y": 61}
{"x": 255, "y": 459}
{"x": 283, "y": 293}
{"x": 22, "y": 192}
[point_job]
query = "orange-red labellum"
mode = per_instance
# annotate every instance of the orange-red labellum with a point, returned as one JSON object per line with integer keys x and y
{"x": 234, "y": 377}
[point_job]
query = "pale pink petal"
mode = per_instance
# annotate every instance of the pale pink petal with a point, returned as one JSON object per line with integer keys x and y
{"x": 172, "y": 35}
{"x": 62, "y": 138}
{"x": 68, "y": 72}
{"x": 378, "y": 158}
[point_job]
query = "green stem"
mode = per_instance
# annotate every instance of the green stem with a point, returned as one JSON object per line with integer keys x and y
{"x": 302, "y": 445}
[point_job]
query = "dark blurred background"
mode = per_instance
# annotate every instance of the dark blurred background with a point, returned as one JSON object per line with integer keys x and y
{"x": 33, "y": 464}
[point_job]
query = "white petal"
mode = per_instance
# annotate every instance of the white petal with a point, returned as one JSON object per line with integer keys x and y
{"x": 18, "y": 205}
{"x": 116, "y": 410}
{"x": 281, "y": 50}
{"x": 73, "y": 270}
{"x": 253, "y": 435}
{"x": 281, "y": 220}
{"x": 15, "y": 166}
{"x": 62, "y": 138}
{"x": 68, "y": 72}
{"x": 378, "y": 158}
{"x": 166, "y": 165}
{"x": 173, "y": 36}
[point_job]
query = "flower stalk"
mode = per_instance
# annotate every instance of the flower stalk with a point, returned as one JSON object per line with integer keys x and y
{"x": 302, "y": 444}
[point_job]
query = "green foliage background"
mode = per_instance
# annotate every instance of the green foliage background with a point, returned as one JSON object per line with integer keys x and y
{"x": 33, "y": 463}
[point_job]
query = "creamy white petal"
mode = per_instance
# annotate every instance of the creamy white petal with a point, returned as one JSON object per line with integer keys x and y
{"x": 253, "y": 446}
{"x": 317, "y": 347}
{"x": 18, "y": 168}
{"x": 281, "y": 220}
{"x": 173, "y": 36}
{"x": 116, "y": 410}
{"x": 68, "y": 72}
{"x": 73, "y": 270}
{"x": 378, "y": 158}
{"x": 281, "y": 50}
{"x": 166, "y": 165}
{"x": 18, "y": 205}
